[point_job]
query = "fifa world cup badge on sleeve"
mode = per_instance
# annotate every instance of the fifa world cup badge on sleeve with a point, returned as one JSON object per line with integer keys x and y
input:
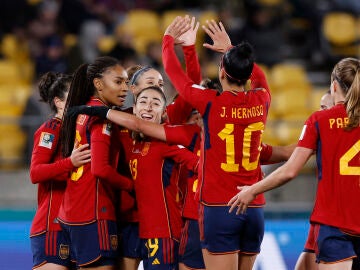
{"x": 46, "y": 140}
{"x": 107, "y": 129}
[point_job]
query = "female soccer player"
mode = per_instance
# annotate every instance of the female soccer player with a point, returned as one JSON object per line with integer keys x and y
{"x": 151, "y": 164}
{"x": 307, "y": 259}
{"x": 334, "y": 135}
{"x": 233, "y": 124}
{"x": 87, "y": 212}
{"x": 49, "y": 170}
{"x": 177, "y": 113}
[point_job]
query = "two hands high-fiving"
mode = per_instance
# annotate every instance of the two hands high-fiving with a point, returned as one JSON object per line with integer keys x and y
{"x": 184, "y": 30}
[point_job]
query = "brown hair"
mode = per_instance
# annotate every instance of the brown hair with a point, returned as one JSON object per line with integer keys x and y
{"x": 346, "y": 73}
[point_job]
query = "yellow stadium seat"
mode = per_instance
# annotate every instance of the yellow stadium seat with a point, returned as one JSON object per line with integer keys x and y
{"x": 138, "y": 21}
{"x": 269, "y": 136}
{"x": 169, "y": 16}
{"x": 14, "y": 49}
{"x": 271, "y": 3}
{"x": 341, "y": 32}
{"x": 207, "y": 16}
{"x": 143, "y": 26}
{"x": 288, "y": 131}
{"x": 142, "y": 42}
{"x": 12, "y": 145}
{"x": 106, "y": 43}
{"x": 291, "y": 102}
{"x": 13, "y": 99}
{"x": 266, "y": 71}
{"x": 315, "y": 98}
{"x": 340, "y": 28}
{"x": 284, "y": 74}
{"x": 27, "y": 70}
{"x": 9, "y": 72}
{"x": 70, "y": 40}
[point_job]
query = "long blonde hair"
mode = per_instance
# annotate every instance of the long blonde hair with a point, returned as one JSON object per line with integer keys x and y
{"x": 346, "y": 73}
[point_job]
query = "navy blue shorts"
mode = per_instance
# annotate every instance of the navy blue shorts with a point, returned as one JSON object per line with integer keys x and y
{"x": 333, "y": 245}
{"x": 51, "y": 247}
{"x": 190, "y": 253}
{"x": 223, "y": 232}
{"x": 130, "y": 243}
{"x": 161, "y": 254}
{"x": 94, "y": 244}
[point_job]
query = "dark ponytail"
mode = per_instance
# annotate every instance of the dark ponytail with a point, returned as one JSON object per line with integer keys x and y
{"x": 347, "y": 73}
{"x": 238, "y": 63}
{"x": 53, "y": 85}
{"x": 81, "y": 90}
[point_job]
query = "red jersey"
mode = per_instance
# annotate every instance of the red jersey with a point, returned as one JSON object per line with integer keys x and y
{"x": 189, "y": 136}
{"x": 152, "y": 165}
{"x": 233, "y": 126}
{"x": 50, "y": 171}
{"x": 265, "y": 154}
{"x": 337, "y": 156}
{"x": 126, "y": 203}
{"x": 179, "y": 110}
{"x": 89, "y": 195}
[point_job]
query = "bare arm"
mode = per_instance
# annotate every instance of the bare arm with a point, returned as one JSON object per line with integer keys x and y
{"x": 281, "y": 153}
{"x": 277, "y": 178}
{"x": 134, "y": 123}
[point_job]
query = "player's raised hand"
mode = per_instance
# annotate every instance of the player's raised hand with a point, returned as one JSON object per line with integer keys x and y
{"x": 189, "y": 37}
{"x": 177, "y": 27}
{"x": 219, "y": 36}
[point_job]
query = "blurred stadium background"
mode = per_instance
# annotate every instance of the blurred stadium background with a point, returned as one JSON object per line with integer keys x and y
{"x": 297, "y": 43}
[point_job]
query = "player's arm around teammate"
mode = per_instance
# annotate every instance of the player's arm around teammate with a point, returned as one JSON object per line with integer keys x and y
{"x": 87, "y": 212}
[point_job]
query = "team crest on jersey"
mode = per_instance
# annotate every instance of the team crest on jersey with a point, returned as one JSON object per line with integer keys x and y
{"x": 81, "y": 119}
{"x": 145, "y": 149}
{"x": 107, "y": 129}
{"x": 114, "y": 242}
{"x": 46, "y": 140}
{"x": 64, "y": 251}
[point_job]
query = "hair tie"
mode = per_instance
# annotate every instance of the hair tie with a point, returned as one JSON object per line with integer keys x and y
{"x": 137, "y": 74}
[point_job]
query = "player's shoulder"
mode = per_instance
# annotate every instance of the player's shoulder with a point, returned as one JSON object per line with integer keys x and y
{"x": 51, "y": 125}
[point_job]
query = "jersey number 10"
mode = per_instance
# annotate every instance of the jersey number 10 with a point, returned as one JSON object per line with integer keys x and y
{"x": 227, "y": 134}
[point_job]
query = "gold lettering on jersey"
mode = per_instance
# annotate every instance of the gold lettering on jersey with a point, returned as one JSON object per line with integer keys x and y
{"x": 338, "y": 122}
{"x": 223, "y": 113}
{"x": 240, "y": 112}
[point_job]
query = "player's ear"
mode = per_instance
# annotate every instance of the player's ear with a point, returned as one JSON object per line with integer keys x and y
{"x": 164, "y": 116}
{"x": 222, "y": 74}
{"x": 98, "y": 84}
{"x": 57, "y": 101}
{"x": 132, "y": 88}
